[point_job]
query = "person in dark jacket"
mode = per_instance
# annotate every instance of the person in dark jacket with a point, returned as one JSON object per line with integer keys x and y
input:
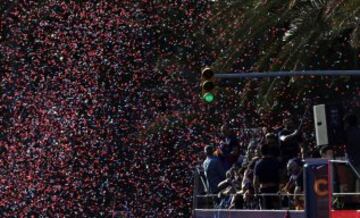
{"x": 267, "y": 178}
{"x": 229, "y": 149}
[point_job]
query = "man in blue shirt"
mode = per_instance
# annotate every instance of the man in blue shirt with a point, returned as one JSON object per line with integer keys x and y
{"x": 213, "y": 168}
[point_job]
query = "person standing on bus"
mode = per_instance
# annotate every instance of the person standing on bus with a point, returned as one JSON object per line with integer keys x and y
{"x": 295, "y": 184}
{"x": 289, "y": 140}
{"x": 267, "y": 178}
{"x": 213, "y": 169}
{"x": 229, "y": 149}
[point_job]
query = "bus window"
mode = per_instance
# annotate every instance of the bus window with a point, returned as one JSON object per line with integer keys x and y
{"x": 346, "y": 187}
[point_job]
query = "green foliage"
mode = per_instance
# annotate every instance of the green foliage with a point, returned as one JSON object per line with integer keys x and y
{"x": 270, "y": 35}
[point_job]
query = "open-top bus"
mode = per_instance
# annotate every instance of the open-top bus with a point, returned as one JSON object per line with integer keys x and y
{"x": 331, "y": 189}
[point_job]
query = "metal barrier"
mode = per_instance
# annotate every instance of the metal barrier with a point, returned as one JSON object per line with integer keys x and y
{"x": 346, "y": 194}
{"x": 205, "y": 213}
{"x": 259, "y": 195}
{"x": 208, "y": 201}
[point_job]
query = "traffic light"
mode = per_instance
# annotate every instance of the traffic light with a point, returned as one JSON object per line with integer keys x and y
{"x": 207, "y": 85}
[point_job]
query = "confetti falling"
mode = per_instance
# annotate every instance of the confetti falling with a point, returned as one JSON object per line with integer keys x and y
{"x": 99, "y": 106}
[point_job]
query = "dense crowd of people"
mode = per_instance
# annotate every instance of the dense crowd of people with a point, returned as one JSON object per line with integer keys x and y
{"x": 270, "y": 174}
{"x": 236, "y": 179}
{"x": 99, "y": 108}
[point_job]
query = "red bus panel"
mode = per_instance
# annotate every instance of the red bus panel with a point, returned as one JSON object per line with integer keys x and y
{"x": 345, "y": 214}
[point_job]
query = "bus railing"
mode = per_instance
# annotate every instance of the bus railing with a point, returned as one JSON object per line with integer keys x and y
{"x": 207, "y": 201}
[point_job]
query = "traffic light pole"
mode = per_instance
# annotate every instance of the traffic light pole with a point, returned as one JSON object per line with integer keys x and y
{"x": 288, "y": 74}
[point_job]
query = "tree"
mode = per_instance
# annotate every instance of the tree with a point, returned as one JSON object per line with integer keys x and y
{"x": 270, "y": 35}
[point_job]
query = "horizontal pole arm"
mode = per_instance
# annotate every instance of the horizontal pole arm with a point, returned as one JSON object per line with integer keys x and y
{"x": 346, "y": 194}
{"x": 288, "y": 74}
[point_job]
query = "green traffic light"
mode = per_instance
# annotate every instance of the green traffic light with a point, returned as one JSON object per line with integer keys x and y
{"x": 208, "y": 97}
